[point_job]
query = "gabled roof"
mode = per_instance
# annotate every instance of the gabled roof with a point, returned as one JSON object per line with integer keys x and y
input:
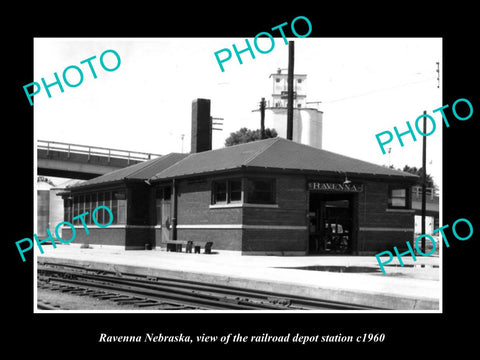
{"x": 140, "y": 171}
{"x": 275, "y": 154}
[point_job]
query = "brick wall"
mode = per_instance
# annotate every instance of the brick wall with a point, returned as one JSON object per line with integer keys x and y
{"x": 373, "y": 242}
{"x": 381, "y": 228}
{"x": 274, "y": 242}
{"x": 194, "y": 210}
{"x": 194, "y": 206}
{"x": 282, "y": 228}
{"x": 291, "y": 212}
{"x": 136, "y": 238}
{"x": 130, "y": 237}
{"x": 97, "y": 236}
{"x": 223, "y": 239}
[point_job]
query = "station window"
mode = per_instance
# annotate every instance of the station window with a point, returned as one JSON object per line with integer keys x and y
{"x": 67, "y": 210}
{"x": 93, "y": 205}
{"x": 76, "y": 208}
{"x": 115, "y": 200}
{"x": 118, "y": 207}
{"x": 87, "y": 208}
{"x": 227, "y": 191}
{"x": 261, "y": 191}
{"x": 399, "y": 198}
{"x": 235, "y": 190}
{"x": 121, "y": 197}
{"x": 99, "y": 213}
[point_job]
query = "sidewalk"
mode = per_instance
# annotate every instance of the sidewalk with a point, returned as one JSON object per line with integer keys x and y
{"x": 402, "y": 288}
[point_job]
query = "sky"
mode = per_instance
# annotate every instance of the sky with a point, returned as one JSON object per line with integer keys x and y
{"x": 365, "y": 86}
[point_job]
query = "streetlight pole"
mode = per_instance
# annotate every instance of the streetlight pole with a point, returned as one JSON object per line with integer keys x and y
{"x": 424, "y": 179}
{"x": 291, "y": 58}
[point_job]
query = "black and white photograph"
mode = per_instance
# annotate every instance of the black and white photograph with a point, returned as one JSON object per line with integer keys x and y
{"x": 271, "y": 182}
{"x": 224, "y": 193}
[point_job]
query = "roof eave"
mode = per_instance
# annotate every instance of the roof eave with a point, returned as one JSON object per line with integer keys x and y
{"x": 408, "y": 177}
{"x": 190, "y": 175}
{"x": 96, "y": 185}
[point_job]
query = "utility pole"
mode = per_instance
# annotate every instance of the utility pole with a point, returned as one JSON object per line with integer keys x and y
{"x": 173, "y": 233}
{"x": 438, "y": 75}
{"x": 424, "y": 179}
{"x": 291, "y": 59}
{"x": 262, "y": 119}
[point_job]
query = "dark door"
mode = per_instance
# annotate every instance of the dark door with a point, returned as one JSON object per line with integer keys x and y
{"x": 163, "y": 214}
{"x": 337, "y": 226}
{"x": 330, "y": 224}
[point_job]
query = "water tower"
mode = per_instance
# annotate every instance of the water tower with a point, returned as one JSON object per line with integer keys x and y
{"x": 307, "y": 120}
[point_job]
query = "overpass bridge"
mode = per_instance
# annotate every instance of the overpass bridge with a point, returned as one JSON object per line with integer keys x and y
{"x": 82, "y": 161}
{"x": 432, "y": 204}
{"x": 432, "y": 200}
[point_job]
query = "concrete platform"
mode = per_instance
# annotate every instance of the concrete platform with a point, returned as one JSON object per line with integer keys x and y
{"x": 410, "y": 288}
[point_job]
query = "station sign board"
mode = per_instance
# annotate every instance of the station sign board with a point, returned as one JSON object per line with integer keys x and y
{"x": 334, "y": 187}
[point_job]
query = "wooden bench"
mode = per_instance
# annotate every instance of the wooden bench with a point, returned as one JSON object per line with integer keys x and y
{"x": 206, "y": 244}
{"x": 176, "y": 246}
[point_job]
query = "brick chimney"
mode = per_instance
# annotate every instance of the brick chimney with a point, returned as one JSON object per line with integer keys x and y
{"x": 201, "y": 126}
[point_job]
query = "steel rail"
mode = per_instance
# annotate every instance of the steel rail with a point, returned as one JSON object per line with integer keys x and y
{"x": 209, "y": 298}
{"x": 144, "y": 295}
{"x": 44, "y": 306}
{"x": 197, "y": 292}
{"x": 80, "y": 288}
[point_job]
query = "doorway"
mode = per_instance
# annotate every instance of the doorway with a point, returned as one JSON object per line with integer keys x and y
{"x": 330, "y": 223}
{"x": 166, "y": 221}
{"x": 163, "y": 213}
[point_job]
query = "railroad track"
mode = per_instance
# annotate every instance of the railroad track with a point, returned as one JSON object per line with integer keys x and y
{"x": 161, "y": 293}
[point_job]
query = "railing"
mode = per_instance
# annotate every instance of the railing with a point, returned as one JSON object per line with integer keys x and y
{"x": 94, "y": 150}
{"x": 429, "y": 192}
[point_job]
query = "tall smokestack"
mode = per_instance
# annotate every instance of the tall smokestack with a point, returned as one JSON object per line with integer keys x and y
{"x": 291, "y": 57}
{"x": 201, "y": 126}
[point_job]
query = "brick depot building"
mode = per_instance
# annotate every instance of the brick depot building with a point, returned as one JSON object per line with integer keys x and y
{"x": 271, "y": 196}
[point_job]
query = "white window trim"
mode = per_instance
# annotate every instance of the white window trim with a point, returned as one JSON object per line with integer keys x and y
{"x": 241, "y": 205}
{"x": 400, "y": 210}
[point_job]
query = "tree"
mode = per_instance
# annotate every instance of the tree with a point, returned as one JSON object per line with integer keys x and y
{"x": 419, "y": 172}
{"x": 44, "y": 179}
{"x": 245, "y": 135}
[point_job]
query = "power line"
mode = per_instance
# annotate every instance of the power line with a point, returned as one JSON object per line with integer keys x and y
{"x": 377, "y": 91}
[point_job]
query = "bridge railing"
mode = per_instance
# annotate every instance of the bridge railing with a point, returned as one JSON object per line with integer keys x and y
{"x": 431, "y": 193}
{"x": 94, "y": 150}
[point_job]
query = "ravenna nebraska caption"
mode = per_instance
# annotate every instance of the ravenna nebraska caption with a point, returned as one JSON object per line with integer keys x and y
{"x": 148, "y": 337}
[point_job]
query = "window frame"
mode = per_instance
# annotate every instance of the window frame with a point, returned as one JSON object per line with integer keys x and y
{"x": 121, "y": 207}
{"x": 406, "y": 198}
{"x": 228, "y": 191}
{"x": 77, "y": 205}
